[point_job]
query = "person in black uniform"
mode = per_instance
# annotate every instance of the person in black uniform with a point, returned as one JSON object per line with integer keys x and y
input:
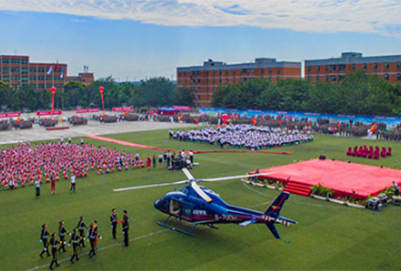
{"x": 113, "y": 222}
{"x": 81, "y": 228}
{"x": 92, "y": 235}
{"x": 74, "y": 239}
{"x": 62, "y": 232}
{"x": 125, "y": 227}
{"x": 44, "y": 234}
{"x": 53, "y": 243}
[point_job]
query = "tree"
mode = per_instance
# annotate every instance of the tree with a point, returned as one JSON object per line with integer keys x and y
{"x": 184, "y": 97}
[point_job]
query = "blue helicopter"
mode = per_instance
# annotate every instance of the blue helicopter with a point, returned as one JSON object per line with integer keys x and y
{"x": 200, "y": 205}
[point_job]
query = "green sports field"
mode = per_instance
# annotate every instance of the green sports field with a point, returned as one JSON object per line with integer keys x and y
{"x": 327, "y": 237}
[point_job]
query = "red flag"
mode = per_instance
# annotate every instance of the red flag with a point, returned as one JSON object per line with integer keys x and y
{"x": 181, "y": 118}
{"x": 119, "y": 221}
{"x": 126, "y": 113}
{"x": 254, "y": 120}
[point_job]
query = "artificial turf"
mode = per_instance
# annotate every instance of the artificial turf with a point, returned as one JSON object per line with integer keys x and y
{"x": 327, "y": 237}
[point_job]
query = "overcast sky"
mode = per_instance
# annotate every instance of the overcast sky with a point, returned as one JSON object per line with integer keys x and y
{"x": 138, "y": 39}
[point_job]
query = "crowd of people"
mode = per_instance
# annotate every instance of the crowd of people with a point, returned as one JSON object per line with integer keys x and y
{"x": 50, "y": 162}
{"x": 244, "y": 136}
{"x": 77, "y": 237}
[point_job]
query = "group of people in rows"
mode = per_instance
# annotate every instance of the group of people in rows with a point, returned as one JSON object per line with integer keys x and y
{"x": 244, "y": 135}
{"x": 77, "y": 237}
{"x": 51, "y": 162}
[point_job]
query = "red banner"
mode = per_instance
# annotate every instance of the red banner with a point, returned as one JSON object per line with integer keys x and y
{"x": 182, "y": 108}
{"x": 87, "y": 110}
{"x": 124, "y": 108}
{"x": 48, "y": 113}
{"x": 10, "y": 115}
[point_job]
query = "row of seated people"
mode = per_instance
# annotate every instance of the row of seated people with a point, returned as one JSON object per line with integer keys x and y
{"x": 365, "y": 152}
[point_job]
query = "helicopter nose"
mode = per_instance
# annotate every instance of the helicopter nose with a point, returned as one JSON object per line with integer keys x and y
{"x": 156, "y": 203}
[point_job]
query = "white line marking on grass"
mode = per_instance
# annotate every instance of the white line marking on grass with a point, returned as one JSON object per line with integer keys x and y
{"x": 102, "y": 248}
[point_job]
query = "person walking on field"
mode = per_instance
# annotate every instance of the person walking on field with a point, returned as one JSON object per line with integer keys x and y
{"x": 73, "y": 182}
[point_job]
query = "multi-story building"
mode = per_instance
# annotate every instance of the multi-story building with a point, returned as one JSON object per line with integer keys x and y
{"x": 334, "y": 69}
{"x": 18, "y": 71}
{"x": 202, "y": 81}
{"x": 84, "y": 77}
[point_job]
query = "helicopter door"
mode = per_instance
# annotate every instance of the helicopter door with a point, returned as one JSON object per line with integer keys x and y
{"x": 186, "y": 210}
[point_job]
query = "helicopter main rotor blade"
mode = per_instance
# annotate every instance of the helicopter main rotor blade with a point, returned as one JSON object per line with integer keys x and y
{"x": 148, "y": 186}
{"x": 189, "y": 175}
{"x": 200, "y": 192}
{"x": 234, "y": 177}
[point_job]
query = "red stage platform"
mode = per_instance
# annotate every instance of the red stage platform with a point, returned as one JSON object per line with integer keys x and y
{"x": 346, "y": 179}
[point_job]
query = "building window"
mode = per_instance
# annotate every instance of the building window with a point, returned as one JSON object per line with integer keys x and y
{"x": 386, "y": 77}
{"x": 199, "y": 97}
{"x": 333, "y": 67}
{"x": 327, "y": 68}
{"x": 386, "y": 66}
{"x": 318, "y": 68}
{"x": 207, "y": 89}
{"x": 318, "y": 78}
{"x": 199, "y": 80}
{"x": 398, "y": 65}
{"x": 270, "y": 70}
{"x": 233, "y": 71}
{"x": 262, "y": 70}
{"x": 333, "y": 78}
{"x": 15, "y": 70}
{"x": 398, "y": 76}
{"x": 278, "y": 70}
{"x": 365, "y": 67}
{"x": 327, "y": 78}
{"x": 214, "y": 81}
{"x": 207, "y": 80}
{"x": 375, "y": 66}
{"x": 15, "y": 61}
{"x": 251, "y": 70}
{"x": 179, "y": 74}
{"x": 354, "y": 67}
{"x": 213, "y": 72}
{"x": 185, "y": 73}
{"x": 341, "y": 67}
{"x": 197, "y": 72}
{"x": 185, "y": 81}
{"x": 219, "y": 72}
{"x": 24, "y": 61}
{"x": 226, "y": 72}
{"x": 309, "y": 78}
{"x": 309, "y": 68}
{"x": 5, "y": 61}
{"x": 179, "y": 81}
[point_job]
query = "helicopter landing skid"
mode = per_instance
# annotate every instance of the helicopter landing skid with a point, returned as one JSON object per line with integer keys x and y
{"x": 176, "y": 229}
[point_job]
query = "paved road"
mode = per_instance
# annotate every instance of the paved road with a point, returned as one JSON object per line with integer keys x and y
{"x": 93, "y": 128}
